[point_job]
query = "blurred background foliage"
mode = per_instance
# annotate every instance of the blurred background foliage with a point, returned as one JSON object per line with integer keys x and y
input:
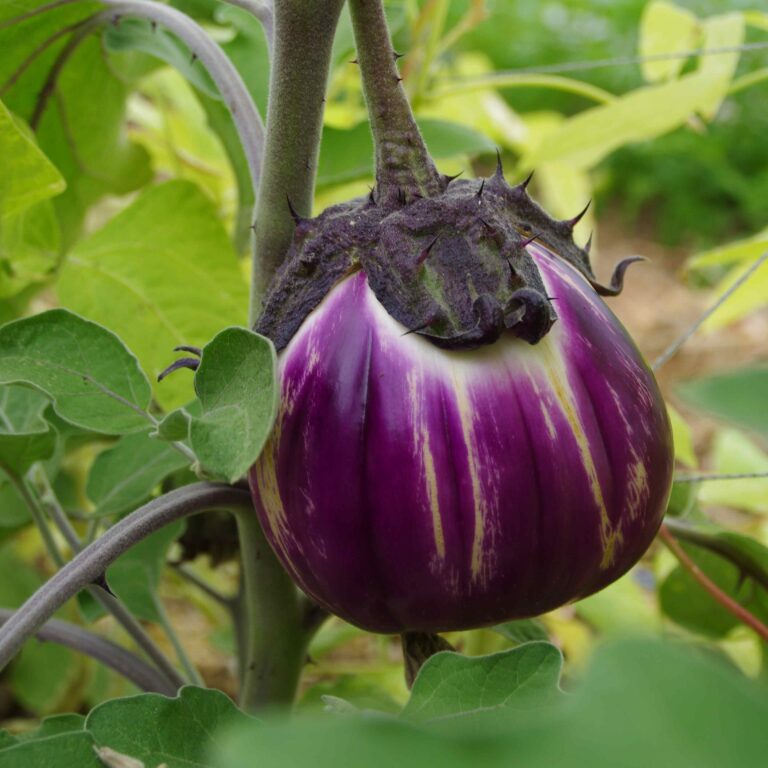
{"x": 125, "y": 197}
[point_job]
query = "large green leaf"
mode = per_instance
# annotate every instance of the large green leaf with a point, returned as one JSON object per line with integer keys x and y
{"x": 67, "y": 749}
{"x": 161, "y": 273}
{"x": 124, "y": 476}
{"x": 94, "y": 381}
{"x": 738, "y": 397}
{"x": 642, "y": 703}
{"x": 25, "y": 436}
{"x": 450, "y": 684}
{"x": 179, "y": 732}
{"x": 236, "y": 385}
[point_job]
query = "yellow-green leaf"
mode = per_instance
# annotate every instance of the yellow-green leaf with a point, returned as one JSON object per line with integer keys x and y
{"x": 666, "y": 28}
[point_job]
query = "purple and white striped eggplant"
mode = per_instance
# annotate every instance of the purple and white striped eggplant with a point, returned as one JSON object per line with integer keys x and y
{"x": 409, "y": 486}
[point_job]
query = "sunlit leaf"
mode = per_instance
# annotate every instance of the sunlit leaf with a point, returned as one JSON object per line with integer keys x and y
{"x": 93, "y": 379}
{"x": 236, "y": 385}
{"x": 746, "y": 250}
{"x": 161, "y": 273}
{"x": 645, "y": 113}
{"x": 28, "y": 175}
{"x": 682, "y": 438}
{"x": 666, "y": 28}
{"x": 733, "y": 452}
{"x": 725, "y": 31}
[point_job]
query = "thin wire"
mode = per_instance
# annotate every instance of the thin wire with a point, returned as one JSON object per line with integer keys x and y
{"x": 575, "y": 66}
{"x": 725, "y": 476}
{"x": 675, "y": 345}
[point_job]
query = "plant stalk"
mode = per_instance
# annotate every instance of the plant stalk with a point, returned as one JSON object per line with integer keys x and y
{"x": 276, "y": 635}
{"x": 403, "y": 164}
{"x": 301, "y": 57}
{"x": 144, "y": 676}
{"x": 89, "y": 564}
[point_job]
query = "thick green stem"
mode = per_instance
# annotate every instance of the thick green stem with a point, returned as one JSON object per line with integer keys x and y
{"x": 277, "y": 632}
{"x": 403, "y": 164}
{"x": 304, "y": 32}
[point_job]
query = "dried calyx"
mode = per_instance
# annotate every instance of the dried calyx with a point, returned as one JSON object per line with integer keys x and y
{"x": 452, "y": 267}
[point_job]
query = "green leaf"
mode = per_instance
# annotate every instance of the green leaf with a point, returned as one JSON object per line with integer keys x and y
{"x": 82, "y": 129}
{"x": 645, "y": 113}
{"x": 161, "y": 273}
{"x": 42, "y": 675}
{"x": 67, "y": 750}
{"x": 135, "y": 576}
{"x": 179, "y": 732}
{"x": 449, "y": 684}
{"x": 125, "y": 475}
{"x": 29, "y": 248}
{"x": 687, "y": 603}
{"x": 724, "y": 31}
{"x": 739, "y": 251}
{"x": 348, "y": 155}
{"x": 666, "y": 28}
{"x": 94, "y": 381}
{"x": 682, "y": 439}
{"x": 236, "y": 384}
{"x": 737, "y": 397}
{"x": 140, "y": 35}
{"x": 54, "y": 726}
{"x": 13, "y": 511}
{"x": 25, "y": 436}
{"x": 522, "y": 631}
{"x": 28, "y": 176}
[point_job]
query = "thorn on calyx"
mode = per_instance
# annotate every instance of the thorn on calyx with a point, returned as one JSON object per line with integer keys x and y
{"x": 101, "y": 581}
{"x": 153, "y": 26}
{"x": 401, "y": 199}
{"x": 528, "y": 240}
{"x": 371, "y": 196}
{"x": 479, "y": 192}
{"x": 588, "y": 244}
{"x": 297, "y": 219}
{"x": 397, "y": 55}
{"x": 252, "y": 226}
{"x": 193, "y": 58}
{"x": 499, "y": 166}
{"x": 425, "y": 253}
{"x": 449, "y": 179}
{"x": 571, "y": 223}
{"x": 354, "y": 61}
{"x": 116, "y": 19}
{"x": 523, "y": 185}
{"x": 398, "y": 79}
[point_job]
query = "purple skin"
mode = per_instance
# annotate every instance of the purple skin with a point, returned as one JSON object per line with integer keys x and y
{"x": 412, "y": 488}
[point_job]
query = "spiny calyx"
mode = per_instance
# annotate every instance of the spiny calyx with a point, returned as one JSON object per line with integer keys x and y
{"x": 453, "y": 267}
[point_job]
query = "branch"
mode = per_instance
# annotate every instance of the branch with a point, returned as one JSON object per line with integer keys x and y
{"x": 230, "y": 85}
{"x": 741, "y": 613}
{"x": 729, "y": 551}
{"x": 403, "y": 163}
{"x": 112, "y": 655}
{"x": 301, "y": 58}
{"x": 92, "y": 562}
